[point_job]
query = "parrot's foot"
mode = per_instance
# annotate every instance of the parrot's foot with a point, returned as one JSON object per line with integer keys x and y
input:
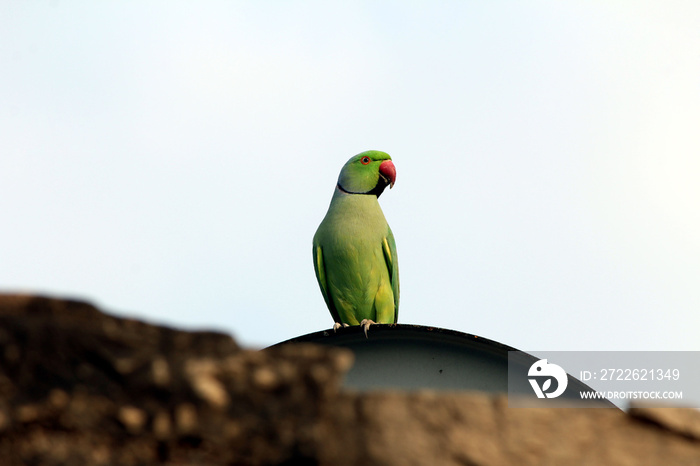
{"x": 365, "y": 324}
{"x": 337, "y": 325}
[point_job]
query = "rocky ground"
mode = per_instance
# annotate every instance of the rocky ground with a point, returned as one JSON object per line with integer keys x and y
{"x": 80, "y": 387}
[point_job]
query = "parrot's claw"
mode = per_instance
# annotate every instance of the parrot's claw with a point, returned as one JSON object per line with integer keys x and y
{"x": 365, "y": 324}
{"x": 337, "y": 325}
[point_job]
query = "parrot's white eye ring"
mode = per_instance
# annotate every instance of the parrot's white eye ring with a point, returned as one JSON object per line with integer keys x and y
{"x": 365, "y": 160}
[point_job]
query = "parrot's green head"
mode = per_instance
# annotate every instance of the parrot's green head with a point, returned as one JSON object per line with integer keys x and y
{"x": 367, "y": 173}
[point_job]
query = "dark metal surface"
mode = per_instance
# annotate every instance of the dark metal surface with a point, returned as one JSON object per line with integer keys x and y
{"x": 412, "y": 357}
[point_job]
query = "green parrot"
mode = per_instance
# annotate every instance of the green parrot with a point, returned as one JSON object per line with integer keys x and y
{"x": 354, "y": 249}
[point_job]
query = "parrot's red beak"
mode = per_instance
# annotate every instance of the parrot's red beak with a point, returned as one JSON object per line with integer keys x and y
{"x": 387, "y": 170}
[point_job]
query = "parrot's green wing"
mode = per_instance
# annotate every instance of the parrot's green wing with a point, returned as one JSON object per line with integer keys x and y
{"x": 392, "y": 263}
{"x": 320, "y": 269}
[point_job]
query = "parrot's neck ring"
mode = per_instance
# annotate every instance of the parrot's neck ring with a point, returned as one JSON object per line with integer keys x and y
{"x": 350, "y": 192}
{"x": 377, "y": 191}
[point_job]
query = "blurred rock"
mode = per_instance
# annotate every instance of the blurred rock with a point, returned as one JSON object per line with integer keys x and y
{"x": 81, "y": 387}
{"x": 678, "y": 420}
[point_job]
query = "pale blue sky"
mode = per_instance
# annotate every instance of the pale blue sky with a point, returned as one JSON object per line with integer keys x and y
{"x": 172, "y": 160}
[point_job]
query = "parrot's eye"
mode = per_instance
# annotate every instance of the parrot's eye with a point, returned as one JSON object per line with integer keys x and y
{"x": 365, "y": 160}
